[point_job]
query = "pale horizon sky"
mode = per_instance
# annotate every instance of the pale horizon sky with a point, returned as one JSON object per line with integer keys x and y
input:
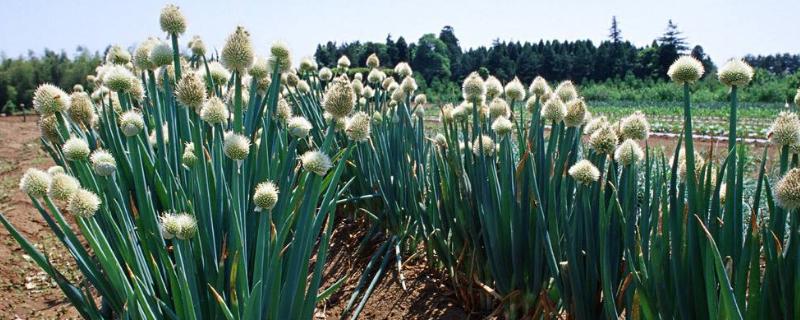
{"x": 725, "y": 29}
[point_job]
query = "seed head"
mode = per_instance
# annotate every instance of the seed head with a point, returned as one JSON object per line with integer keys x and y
{"x": 141, "y": 56}
{"x": 358, "y": 127}
{"x": 260, "y": 69}
{"x": 339, "y": 99}
{"x": 236, "y": 146}
{"x": 368, "y": 92}
{"x": 635, "y": 127}
{"x": 191, "y": 91}
{"x": 75, "y": 149}
{"x": 283, "y": 110}
{"x": 420, "y": 100}
{"x": 308, "y": 65}
{"x": 49, "y": 99}
{"x": 83, "y": 203}
{"x": 161, "y": 54}
{"x": 178, "y": 225}
{"x": 498, "y": 107}
{"x": 197, "y": 46}
{"x": 117, "y": 55}
{"x": 131, "y": 123}
{"x": 188, "y": 158}
{"x": 473, "y": 88}
{"x": 576, "y": 113}
{"x": 214, "y": 111}
{"x": 265, "y": 196}
{"x": 628, "y": 153}
{"x": 35, "y": 183}
{"x": 484, "y": 144}
{"x": 172, "y": 20}
{"x": 325, "y": 74}
{"x": 375, "y": 76}
{"x": 603, "y": 140}
{"x": 303, "y": 87}
{"x": 55, "y": 169}
{"x": 119, "y": 79}
{"x": 584, "y": 172}
{"x": 554, "y": 110}
{"x": 237, "y": 54}
{"x": 797, "y": 98}
{"x": 530, "y": 104}
{"x": 316, "y": 162}
{"x": 493, "y": 88}
{"x": 566, "y": 91}
{"x": 403, "y": 70}
{"x": 515, "y": 91}
{"x": 103, "y": 163}
{"x": 343, "y": 62}
{"x": 409, "y": 85}
{"x": 440, "y": 140}
{"x": 502, "y": 126}
{"x": 217, "y": 73}
{"x": 735, "y": 72}
{"x": 62, "y": 186}
{"x": 298, "y": 127}
{"x": 539, "y": 86}
{"x": 48, "y": 125}
{"x": 787, "y": 191}
{"x": 594, "y": 124}
{"x": 785, "y": 131}
{"x": 373, "y": 61}
{"x": 280, "y": 55}
{"x": 81, "y": 110}
{"x": 686, "y": 69}
{"x": 699, "y": 162}
{"x": 358, "y": 87}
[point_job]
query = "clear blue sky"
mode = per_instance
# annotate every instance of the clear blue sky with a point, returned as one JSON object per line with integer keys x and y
{"x": 725, "y": 28}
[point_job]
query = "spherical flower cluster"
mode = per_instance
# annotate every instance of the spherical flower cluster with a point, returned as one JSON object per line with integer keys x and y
{"x": 237, "y": 54}
{"x": 635, "y": 127}
{"x": 515, "y": 91}
{"x": 62, "y": 186}
{"x": 75, "y": 149}
{"x": 119, "y": 79}
{"x": 141, "y": 56}
{"x": 325, "y": 74}
{"x": 440, "y": 140}
{"x": 131, "y": 123}
{"x": 35, "y": 183}
{"x": 339, "y": 99}
{"x": 446, "y": 115}
{"x": 117, "y": 55}
{"x": 594, "y": 124}
{"x": 55, "y": 169}
{"x": 408, "y": 85}
{"x": 188, "y": 158}
{"x": 373, "y": 61}
{"x": 502, "y": 126}
{"x": 493, "y": 88}
{"x": 191, "y": 91}
{"x": 473, "y": 88}
{"x": 566, "y": 91}
{"x": 103, "y": 163}
{"x": 217, "y": 73}
{"x": 283, "y": 111}
{"x": 420, "y": 100}
{"x": 735, "y": 72}
{"x": 307, "y": 65}
{"x": 83, "y": 203}
{"x": 358, "y": 127}
{"x": 172, "y": 20}
{"x": 584, "y": 172}
{"x": 358, "y": 87}
{"x": 49, "y": 99}
{"x": 303, "y": 87}
{"x": 554, "y": 110}
{"x": 236, "y": 146}
{"x": 787, "y": 191}
{"x": 603, "y": 140}
{"x": 197, "y": 46}
{"x": 628, "y": 153}
{"x": 539, "y": 86}
{"x": 699, "y": 162}
{"x": 483, "y": 145}
{"x": 160, "y": 54}
{"x": 214, "y": 111}
{"x": 403, "y": 70}
{"x": 178, "y": 225}
{"x": 48, "y": 125}
{"x": 531, "y": 103}
{"x": 576, "y": 113}
{"x": 81, "y": 110}
{"x": 260, "y": 68}
{"x": 280, "y": 55}
{"x": 298, "y": 127}
{"x": 343, "y": 62}
{"x": 498, "y": 107}
{"x": 686, "y": 69}
{"x": 368, "y": 92}
{"x": 316, "y": 162}
{"x": 265, "y": 196}
{"x": 375, "y": 76}
{"x": 785, "y": 131}
{"x": 797, "y": 98}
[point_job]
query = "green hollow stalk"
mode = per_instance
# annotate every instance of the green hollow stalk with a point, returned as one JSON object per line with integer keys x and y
{"x": 730, "y": 190}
